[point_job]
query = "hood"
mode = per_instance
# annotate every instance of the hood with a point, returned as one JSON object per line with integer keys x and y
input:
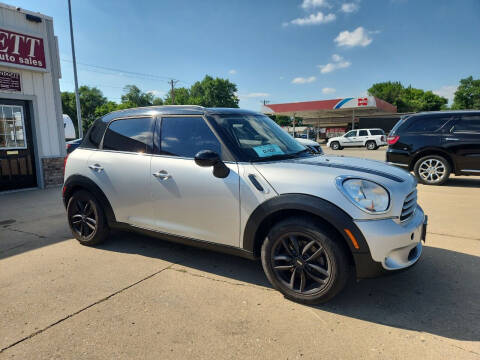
{"x": 307, "y": 142}
{"x": 316, "y": 176}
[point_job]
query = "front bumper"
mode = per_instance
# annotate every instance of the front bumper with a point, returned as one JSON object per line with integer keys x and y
{"x": 393, "y": 245}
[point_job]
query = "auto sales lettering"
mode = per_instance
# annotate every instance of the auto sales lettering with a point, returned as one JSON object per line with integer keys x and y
{"x": 21, "y": 49}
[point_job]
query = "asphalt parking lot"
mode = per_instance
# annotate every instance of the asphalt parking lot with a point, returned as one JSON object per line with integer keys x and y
{"x": 136, "y": 297}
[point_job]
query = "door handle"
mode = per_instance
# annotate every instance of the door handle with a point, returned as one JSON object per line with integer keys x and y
{"x": 162, "y": 175}
{"x": 452, "y": 139}
{"x": 96, "y": 167}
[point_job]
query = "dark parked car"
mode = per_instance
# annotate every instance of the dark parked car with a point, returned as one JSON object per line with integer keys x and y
{"x": 72, "y": 145}
{"x": 436, "y": 144}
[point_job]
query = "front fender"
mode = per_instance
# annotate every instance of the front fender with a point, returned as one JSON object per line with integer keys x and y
{"x": 329, "y": 212}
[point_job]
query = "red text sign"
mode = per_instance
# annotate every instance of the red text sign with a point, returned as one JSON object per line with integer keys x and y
{"x": 21, "y": 49}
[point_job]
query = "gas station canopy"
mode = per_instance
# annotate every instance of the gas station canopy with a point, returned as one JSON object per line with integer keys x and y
{"x": 336, "y": 108}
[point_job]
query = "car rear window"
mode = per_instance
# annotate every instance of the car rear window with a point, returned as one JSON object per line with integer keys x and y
{"x": 422, "y": 124}
{"x": 363, "y": 133}
{"x": 468, "y": 123}
{"x": 377, "y": 132}
{"x": 129, "y": 135}
{"x": 94, "y": 135}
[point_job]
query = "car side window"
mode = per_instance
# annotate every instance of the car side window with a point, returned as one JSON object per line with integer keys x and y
{"x": 129, "y": 135}
{"x": 427, "y": 124}
{"x": 377, "y": 132}
{"x": 363, "y": 133}
{"x": 351, "y": 133}
{"x": 467, "y": 123}
{"x": 186, "y": 136}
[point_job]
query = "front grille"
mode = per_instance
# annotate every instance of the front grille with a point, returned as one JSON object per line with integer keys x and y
{"x": 409, "y": 205}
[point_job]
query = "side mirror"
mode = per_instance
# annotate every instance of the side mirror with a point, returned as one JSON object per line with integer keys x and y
{"x": 207, "y": 158}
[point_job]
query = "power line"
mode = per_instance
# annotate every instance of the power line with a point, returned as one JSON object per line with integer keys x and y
{"x": 123, "y": 72}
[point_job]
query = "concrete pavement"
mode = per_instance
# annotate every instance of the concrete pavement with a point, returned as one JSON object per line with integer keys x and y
{"x": 136, "y": 297}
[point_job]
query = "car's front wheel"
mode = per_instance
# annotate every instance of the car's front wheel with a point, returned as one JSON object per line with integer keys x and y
{"x": 86, "y": 218}
{"x": 304, "y": 261}
{"x": 335, "y": 145}
{"x": 432, "y": 170}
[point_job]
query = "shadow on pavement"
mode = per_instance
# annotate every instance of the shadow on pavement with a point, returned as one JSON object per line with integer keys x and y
{"x": 473, "y": 182}
{"x": 440, "y": 295}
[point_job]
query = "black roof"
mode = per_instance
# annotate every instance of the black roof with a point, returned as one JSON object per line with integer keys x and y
{"x": 175, "y": 110}
{"x": 445, "y": 112}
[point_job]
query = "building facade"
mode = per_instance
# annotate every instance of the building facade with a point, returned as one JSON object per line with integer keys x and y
{"x": 32, "y": 140}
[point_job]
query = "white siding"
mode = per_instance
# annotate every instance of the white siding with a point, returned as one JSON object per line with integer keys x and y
{"x": 37, "y": 83}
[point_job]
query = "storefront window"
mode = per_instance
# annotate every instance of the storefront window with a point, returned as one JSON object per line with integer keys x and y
{"x": 12, "y": 127}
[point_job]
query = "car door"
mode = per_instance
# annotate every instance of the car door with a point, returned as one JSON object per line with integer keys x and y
{"x": 362, "y": 137}
{"x": 464, "y": 142}
{"x": 349, "y": 138}
{"x": 188, "y": 200}
{"x": 121, "y": 167}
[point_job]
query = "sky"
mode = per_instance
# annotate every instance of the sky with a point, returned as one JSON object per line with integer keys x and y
{"x": 273, "y": 50}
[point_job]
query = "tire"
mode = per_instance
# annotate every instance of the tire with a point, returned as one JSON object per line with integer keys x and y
{"x": 432, "y": 170}
{"x": 86, "y": 218}
{"x": 323, "y": 277}
{"x": 371, "y": 145}
{"x": 335, "y": 145}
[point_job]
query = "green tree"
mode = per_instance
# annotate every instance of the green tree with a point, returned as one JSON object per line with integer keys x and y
{"x": 212, "y": 92}
{"x": 90, "y": 99}
{"x": 182, "y": 97}
{"x": 133, "y": 95}
{"x": 106, "y": 108}
{"x": 467, "y": 95}
{"x": 407, "y": 99}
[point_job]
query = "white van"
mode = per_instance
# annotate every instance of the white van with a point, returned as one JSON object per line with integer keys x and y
{"x": 69, "y": 128}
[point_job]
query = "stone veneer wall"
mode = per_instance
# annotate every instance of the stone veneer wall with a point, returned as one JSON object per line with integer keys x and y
{"x": 52, "y": 171}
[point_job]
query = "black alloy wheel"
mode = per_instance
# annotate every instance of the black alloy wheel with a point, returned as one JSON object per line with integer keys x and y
{"x": 305, "y": 260}
{"x": 86, "y": 218}
{"x": 301, "y": 263}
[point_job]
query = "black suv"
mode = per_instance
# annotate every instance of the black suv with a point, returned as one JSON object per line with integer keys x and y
{"x": 436, "y": 144}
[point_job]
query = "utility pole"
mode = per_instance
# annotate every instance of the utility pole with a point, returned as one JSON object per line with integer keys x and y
{"x": 265, "y": 102}
{"x": 77, "y": 97}
{"x": 172, "y": 85}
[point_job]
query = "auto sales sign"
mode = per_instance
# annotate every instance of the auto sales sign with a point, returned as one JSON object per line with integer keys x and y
{"x": 21, "y": 49}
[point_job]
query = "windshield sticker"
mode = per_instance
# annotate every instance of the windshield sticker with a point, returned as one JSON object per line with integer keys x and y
{"x": 268, "y": 150}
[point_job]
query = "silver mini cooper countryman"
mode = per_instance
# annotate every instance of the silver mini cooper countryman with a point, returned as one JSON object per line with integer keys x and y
{"x": 232, "y": 180}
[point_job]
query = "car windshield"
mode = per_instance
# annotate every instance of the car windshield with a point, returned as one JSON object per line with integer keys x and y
{"x": 259, "y": 138}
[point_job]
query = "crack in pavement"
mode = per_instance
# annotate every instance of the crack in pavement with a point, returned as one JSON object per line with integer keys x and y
{"x": 25, "y": 232}
{"x": 85, "y": 308}
{"x": 455, "y": 236}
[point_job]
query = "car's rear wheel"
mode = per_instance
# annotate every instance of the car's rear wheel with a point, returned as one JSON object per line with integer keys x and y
{"x": 371, "y": 145}
{"x": 304, "y": 261}
{"x": 86, "y": 218}
{"x": 335, "y": 145}
{"x": 432, "y": 170}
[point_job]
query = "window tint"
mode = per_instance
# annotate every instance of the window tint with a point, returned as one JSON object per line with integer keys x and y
{"x": 186, "y": 136}
{"x": 427, "y": 124}
{"x": 377, "y": 132}
{"x": 132, "y": 135}
{"x": 351, "y": 133}
{"x": 94, "y": 135}
{"x": 363, "y": 133}
{"x": 468, "y": 123}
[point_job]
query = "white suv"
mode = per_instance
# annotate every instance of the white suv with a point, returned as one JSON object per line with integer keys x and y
{"x": 234, "y": 181}
{"x": 372, "y": 139}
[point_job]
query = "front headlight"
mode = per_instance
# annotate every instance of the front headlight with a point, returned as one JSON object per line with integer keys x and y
{"x": 367, "y": 195}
